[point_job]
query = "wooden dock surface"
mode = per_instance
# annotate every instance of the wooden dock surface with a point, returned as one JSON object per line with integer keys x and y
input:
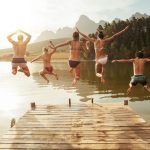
{"x": 81, "y": 126}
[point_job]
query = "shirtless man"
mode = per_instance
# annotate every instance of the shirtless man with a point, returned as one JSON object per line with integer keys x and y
{"x": 138, "y": 67}
{"x": 19, "y": 48}
{"x": 46, "y": 58}
{"x": 74, "y": 58}
{"x": 100, "y": 44}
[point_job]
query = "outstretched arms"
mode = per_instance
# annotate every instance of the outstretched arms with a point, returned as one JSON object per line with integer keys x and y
{"x": 116, "y": 35}
{"x": 123, "y": 60}
{"x": 85, "y": 36}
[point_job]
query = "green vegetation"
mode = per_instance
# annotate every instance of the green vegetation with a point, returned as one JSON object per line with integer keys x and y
{"x": 136, "y": 38}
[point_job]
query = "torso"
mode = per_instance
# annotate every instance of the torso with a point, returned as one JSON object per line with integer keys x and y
{"x": 99, "y": 46}
{"x": 75, "y": 48}
{"x": 19, "y": 49}
{"x": 46, "y": 60}
{"x": 138, "y": 66}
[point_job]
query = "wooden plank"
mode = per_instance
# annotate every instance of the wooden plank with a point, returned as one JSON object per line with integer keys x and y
{"x": 75, "y": 140}
{"x": 81, "y": 126}
{"x": 72, "y": 146}
{"x": 115, "y": 135}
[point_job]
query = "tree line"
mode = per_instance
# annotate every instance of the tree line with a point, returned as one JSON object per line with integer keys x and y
{"x": 135, "y": 39}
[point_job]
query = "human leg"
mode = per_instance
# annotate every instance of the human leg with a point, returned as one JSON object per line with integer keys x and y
{"x": 56, "y": 76}
{"x": 76, "y": 74}
{"x": 98, "y": 70}
{"x": 25, "y": 70}
{"x": 42, "y": 73}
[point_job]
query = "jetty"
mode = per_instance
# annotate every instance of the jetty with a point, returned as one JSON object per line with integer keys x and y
{"x": 78, "y": 126}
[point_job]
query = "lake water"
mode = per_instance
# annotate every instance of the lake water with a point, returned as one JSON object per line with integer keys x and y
{"x": 17, "y": 92}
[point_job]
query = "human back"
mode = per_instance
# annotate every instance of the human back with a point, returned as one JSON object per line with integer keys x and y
{"x": 75, "y": 48}
{"x": 99, "y": 45}
{"x": 20, "y": 48}
{"x": 138, "y": 66}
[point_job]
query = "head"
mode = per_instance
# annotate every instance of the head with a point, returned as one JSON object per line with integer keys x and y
{"x": 45, "y": 50}
{"x": 20, "y": 37}
{"x": 76, "y": 36}
{"x": 139, "y": 54}
{"x": 101, "y": 35}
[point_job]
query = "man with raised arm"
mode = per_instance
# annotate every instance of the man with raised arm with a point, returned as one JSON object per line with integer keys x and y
{"x": 19, "y": 48}
{"x": 46, "y": 58}
{"x": 138, "y": 68}
{"x": 100, "y": 44}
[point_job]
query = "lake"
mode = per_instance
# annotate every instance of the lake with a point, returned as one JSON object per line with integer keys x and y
{"x": 17, "y": 92}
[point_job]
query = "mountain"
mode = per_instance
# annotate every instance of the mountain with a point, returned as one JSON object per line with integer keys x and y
{"x": 138, "y": 15}
{"x": 84, "y": 23}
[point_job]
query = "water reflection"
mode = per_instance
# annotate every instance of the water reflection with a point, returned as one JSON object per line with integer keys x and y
{"x": 117, "y": 78}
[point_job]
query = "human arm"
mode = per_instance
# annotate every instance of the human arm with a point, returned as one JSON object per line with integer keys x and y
{"x": 27, "y": 34}
{"x": 36, "y": 58}
{"x": 147, "y": 59}
{"x": 9, "y": 37}
{"x": 110, "y": 39}
{"x": 85, "y": 36}
{"x": 63, "y": 44}
{"x": 52, "y": 46}
{"x": 123, "y": 60}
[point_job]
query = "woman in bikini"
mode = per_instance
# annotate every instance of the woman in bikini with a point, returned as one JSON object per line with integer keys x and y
{"x": 100, "y": 55}
{"x": 47, "y": 67}
{"x": 74, "y": 58}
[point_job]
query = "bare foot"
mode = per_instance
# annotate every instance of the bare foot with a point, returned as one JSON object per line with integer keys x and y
{"x": 47, "y": 81}
{"x": 56, "y": 76}
{"x": 99, "y": 75}
{"x": 74, "y": 81}
{"x": 14, "y": 72}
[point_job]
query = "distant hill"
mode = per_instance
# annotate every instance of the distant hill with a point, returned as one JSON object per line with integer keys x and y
{"x": 84, "y": 23}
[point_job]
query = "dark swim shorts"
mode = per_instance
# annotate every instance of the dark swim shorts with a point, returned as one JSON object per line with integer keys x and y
{"x": 73, "y": 63}
{"x": 141, "y": 79}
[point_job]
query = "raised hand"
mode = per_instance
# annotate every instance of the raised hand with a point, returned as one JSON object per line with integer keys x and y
{"x": 77, "y": 29}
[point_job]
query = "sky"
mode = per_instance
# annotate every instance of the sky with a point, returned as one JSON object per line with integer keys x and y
{"x": 35, "y": 16}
